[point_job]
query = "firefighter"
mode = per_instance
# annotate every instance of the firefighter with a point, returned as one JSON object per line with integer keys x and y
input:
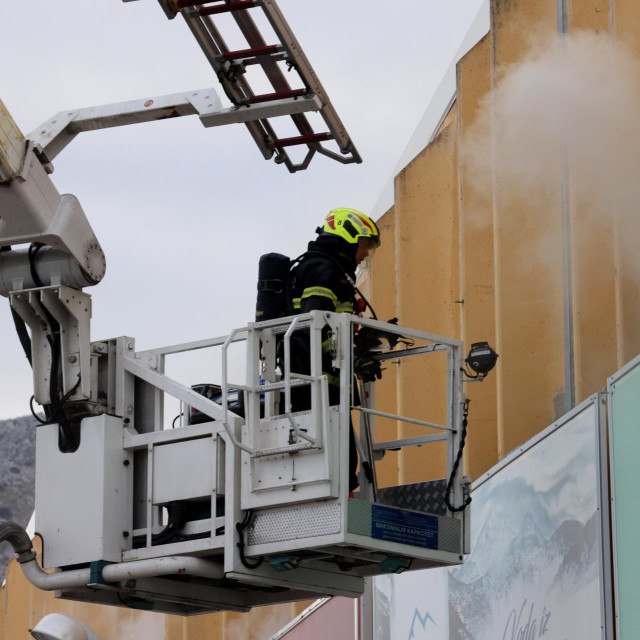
{"x": 321, "y": 282}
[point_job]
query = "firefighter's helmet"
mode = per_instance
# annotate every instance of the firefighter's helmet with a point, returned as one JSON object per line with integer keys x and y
{"x": 351, "y": 225}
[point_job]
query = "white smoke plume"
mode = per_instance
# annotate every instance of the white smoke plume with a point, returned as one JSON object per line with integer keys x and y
{"x": 579, "y": 97}
{"x": 565, "y": 120}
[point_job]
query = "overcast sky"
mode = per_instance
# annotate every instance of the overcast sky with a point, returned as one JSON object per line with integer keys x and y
{"x": 182, "y": 212}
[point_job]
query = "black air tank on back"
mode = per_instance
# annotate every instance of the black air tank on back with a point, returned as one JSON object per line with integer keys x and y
{"x": 273, "y": 286}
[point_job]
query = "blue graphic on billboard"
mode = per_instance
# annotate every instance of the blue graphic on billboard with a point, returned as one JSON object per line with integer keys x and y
{"x": 420, "y": 625}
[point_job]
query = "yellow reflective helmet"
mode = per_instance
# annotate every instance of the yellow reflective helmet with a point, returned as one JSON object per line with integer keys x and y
{"x": 351, "y": 225}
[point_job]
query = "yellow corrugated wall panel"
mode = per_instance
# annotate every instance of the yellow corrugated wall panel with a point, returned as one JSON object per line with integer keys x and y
{"x": 477, "y": 261}
{"x": 628, "y": 287}
{"x": 426, "y": 238}
{"x": 383, "y": 291}
{"x": 514, "y": 23}
{"x": 589, "y": 15}
{"x": 528, "y": 259}
{"x": 592, "y": 234}
{"x": 626, "y": 23}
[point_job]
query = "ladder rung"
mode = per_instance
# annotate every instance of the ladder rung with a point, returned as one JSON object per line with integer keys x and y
{"x": 183, "y": 4}
{"x": 253, "y": 53}
{"x": 310, "y": 139}
{"x": 238, "y": 5}
{"x": 279, "y": 95}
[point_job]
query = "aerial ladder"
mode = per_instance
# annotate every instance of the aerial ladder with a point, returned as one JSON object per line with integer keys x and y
{"x": 249, "y": 505}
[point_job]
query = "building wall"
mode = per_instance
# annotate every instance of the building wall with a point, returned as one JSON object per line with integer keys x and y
{"x": 483, "y": 262}
{"x": 468, "y": 259}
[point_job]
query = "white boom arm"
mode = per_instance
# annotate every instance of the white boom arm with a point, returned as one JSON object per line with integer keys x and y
{"x": 32, "y": 209}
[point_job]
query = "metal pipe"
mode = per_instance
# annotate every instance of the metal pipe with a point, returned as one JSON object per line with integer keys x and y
{"x": 391, "y": 445}
{"x": 324, "y": 385}
{"x": 184, "y": 347}
{"x": 567, "y": 267}
{"x": 225, "y": 388}
{"x": 393, "y": 416}
{"x": 287, "y": 366}
{"x": 51, "y": 266}
{"x": 54, "y": 581}
{"x": 287, "y": 383}
{"x": 170, "y": 565}
{"x": 14, "y": 534}
{"x": 151, "y": 568}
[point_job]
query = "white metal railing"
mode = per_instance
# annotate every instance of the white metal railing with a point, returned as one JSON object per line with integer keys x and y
{"x": 276, "y": 385}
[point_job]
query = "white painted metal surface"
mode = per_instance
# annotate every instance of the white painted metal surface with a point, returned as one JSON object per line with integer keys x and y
{"x": 266, "y": 498}
{"x": 71, "y": 309}
{"x": 34, "y": 211}
{"x": 83, "y": 499}
{"x": 55, "y": 134}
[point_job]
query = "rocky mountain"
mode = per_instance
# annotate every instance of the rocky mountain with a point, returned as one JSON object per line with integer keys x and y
{"x": 580, "y": 561}
{"x": 518, "y": 557}
{"x": 17, "y": 476}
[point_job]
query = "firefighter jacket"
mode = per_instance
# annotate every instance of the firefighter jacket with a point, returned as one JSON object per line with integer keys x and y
{"x": 318, "y": 283}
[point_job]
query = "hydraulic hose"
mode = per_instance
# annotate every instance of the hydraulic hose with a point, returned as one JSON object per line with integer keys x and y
{"x": 14, "y": 534}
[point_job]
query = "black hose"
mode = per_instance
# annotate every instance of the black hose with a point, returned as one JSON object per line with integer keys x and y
{"x": 177, "y": 519}
{"x": 34, "y": 248}
{"x": 240, "y": 527}
{"x": 71, "y": 391}
{"x": 54, "y": 411}
{"x": 21, "y": 328}
{"x": 34, "y": 414}
{"x": 23, "y": 334}
{"x": 15, "y": 535}
{"x": 456, "y": 464}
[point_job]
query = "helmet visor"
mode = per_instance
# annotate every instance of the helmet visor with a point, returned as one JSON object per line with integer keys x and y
{"x": 371, "y": 243}
{"x": 366, "y": 248}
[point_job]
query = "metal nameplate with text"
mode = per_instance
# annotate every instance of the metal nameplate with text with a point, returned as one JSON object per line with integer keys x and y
{"x": 406, "y": 527}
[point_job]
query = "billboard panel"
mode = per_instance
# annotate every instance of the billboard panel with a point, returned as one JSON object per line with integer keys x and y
{"x": 411, "y": 606}
{"x": 624, "y": 405}
{"x": 536, "y": 568}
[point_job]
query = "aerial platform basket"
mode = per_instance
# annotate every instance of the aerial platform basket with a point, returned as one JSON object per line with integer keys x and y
{"x": 244, "y": 508}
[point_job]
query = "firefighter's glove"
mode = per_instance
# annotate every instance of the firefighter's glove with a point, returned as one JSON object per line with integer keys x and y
{"x": 366, "y": 339}
{"x": 367, "y": 369}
